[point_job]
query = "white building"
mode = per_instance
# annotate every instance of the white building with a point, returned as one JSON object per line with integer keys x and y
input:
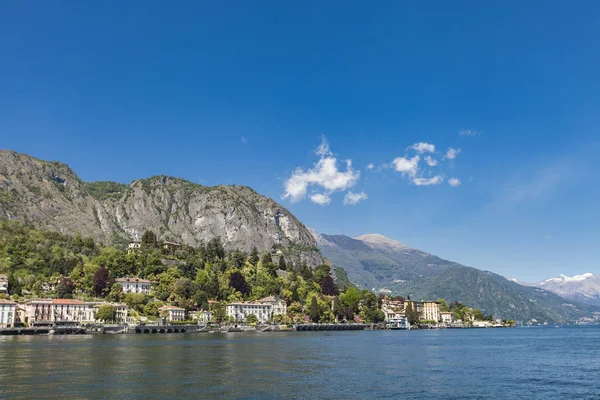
{"x": 70, "y": 310}
{"x": 241, "y": 310}
{"x": 134, "y": 285}
{"x": 279, "y": 306}
{"x": 52, "y": 311}
{"x": 134, "y": 246}
{"x": 7, "y": 313}
{"x": 172, "y": 313}
{"x": 447, "y": 317}
{"x": 121, "y": 312}
{"x": 3, "y": 284}
{"x": 201, "y": 316}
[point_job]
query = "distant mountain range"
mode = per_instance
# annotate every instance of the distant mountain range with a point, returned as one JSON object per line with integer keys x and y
{"x": 584, "y": 288}
{"x": 384, "y": 265}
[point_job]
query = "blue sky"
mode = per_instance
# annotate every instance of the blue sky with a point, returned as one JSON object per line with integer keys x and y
{"x": 244, "y": 93}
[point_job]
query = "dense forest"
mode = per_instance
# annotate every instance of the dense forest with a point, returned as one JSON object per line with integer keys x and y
{"x": 51, "y": 264}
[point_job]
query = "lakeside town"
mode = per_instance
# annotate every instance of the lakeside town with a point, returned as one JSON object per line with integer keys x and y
{"x": 68, "y": 284}
{"x": 56, "y": 312}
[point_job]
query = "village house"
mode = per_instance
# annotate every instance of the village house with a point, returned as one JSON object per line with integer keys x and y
{"x": 241, "y": 310}
{"x": 172, "y": 313}
{"x": 7, "y": 313}
{"x": 121, "y": 311}
{"x": 431, "y": 311}
{"x": 201, "y": 316}
{"x": 447, "y": 317}
{"x": 134, "y": 285}
{"x": 3, "y": 284}
{"x": 134, "y": 246}
{"x": 70, "y": 310}
{"x": 279, "y": 307}
{"x": 38, "y": 312}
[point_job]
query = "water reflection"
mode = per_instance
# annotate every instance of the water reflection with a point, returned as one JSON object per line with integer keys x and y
{"x": 476, "y": 364}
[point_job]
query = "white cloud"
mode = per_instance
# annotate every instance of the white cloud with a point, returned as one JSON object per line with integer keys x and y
{"x": 468, "y": 132}
{"x": 320, "y": 199}
{"x": 244, "y": 140}
{"x": 548, "y": 237}
{"x": 454, "y": 182}
{"x": 436, "y": 180}
{"x": 422, "y": 147}
{"x": 325, "y": 174}
{"x": 451, "y": 154}
{"x": 406, "y": 165}
{"x": 370, "y": 166}
{"x": 323, "y": 149}
{"x": 431, "y": 161}
{"x": 354, "y": 198}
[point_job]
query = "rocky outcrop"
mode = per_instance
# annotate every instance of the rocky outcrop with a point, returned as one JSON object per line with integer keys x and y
{"x": 49, "y": 195}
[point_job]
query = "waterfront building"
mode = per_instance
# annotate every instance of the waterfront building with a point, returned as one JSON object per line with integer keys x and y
{"x": 38, "y": 312}
{"x": 279, "y": 307}
{"x": 134, "y": 285}
{"x": 3, "y": 284}
{"x": 201, "y": 316}
{"x": 172, "y": 313}
{"x": 241, "y": 310}
{"x": 447, "y": 317}
{"x": 7, "y": 313}
{"x": 427, "y": 310}
{"x": 121, "y": 311}
{"x": 43, "y": 312}
{"x": 431, "y": 311}
{"x": 72, "y": 311}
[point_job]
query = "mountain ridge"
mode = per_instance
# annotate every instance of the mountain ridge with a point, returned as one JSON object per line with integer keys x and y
{"x": 50, "y": 195}
{"x": 388, "y": 266}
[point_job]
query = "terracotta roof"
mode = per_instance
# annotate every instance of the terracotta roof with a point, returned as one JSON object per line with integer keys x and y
{"x": 247, "y": 303}
{"x": 269, "y": 298}
{"x": 68, "y": 302}
{"x": 172, "y": 308}
{"x": 3, "y": 301}
{"x": 133, "y": 280}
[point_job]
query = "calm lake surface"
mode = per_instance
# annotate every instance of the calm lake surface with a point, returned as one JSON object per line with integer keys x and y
{"x": 531, "y": 363}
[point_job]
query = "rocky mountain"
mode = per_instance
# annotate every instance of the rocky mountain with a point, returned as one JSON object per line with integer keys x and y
{"x": 584, "y": 288}
{"x": 49, "y": 195}
{"x": 387, "y": 266}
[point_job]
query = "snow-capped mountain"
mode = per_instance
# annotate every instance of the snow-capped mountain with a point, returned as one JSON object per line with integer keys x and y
{"x": 585, "y": 287}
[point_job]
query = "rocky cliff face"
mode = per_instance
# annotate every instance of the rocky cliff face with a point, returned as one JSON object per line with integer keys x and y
{"x": 49, "y": 195}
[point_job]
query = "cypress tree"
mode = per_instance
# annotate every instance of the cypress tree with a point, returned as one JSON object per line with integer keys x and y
{"x": 314, "y": 310}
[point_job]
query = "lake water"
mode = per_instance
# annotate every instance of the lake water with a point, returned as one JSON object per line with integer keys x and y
{"x": 528, "y": 363}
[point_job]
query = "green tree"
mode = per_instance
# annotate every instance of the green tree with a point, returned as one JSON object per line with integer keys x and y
{"x": 478, "y": 315}
{"x": 443, "y": 305}
{"x": 412, "y": 315}
{"x": 149, "y": 240}
{"x": 351, "y": 299}
{"x": 106, "y": 313}
{"x": 65, "y": 288}
{"x": 252, "y": 319}
{"x": 282, "y": 265}
{"x": 14, "y": 285}
{"x": 314, "y": 310}
{"x": 116, "y": 293}
{"x": 253, "y": 257}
